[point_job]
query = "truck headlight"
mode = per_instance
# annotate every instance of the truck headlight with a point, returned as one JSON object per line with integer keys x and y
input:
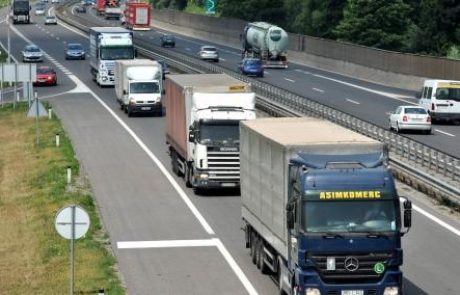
{"x": 391, "y": 291}
{"x": 312, "y": 291}
{"x": 203, "y": 176}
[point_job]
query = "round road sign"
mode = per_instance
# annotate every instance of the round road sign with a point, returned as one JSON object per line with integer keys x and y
{"x": 63, "y": 222}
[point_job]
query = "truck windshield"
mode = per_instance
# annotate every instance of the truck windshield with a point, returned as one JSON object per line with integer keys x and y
{"x": 144, "y": 87}
{"x": 21, "y": 6}
{"x": 225, "y": 133}
{"x": 114, "y": 52}
{"x": 350, "y": 216}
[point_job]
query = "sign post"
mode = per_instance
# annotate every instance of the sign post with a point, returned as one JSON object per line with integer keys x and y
{"x": 72, "y": 222}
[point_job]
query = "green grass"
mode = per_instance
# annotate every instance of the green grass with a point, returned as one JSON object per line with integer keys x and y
{"x": 34, "y": 259}
{"x": 3, "y": 55}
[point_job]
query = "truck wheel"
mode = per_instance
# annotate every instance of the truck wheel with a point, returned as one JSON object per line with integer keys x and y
{"x": 259, "y": 249}
{"x": 175, "y": 167}
{"x": 254, "y": 242}
{"x": 262, "y": 266}
{"x": 188, "y": 176}
{"x": 129, "y": 111}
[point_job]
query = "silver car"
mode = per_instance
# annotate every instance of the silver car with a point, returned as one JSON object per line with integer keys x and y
{"x": 32, "y": 53}
{"x": 410, "y": 118}
{"x": 209, "y": 53}
{"x": 50, "y": 20}
{"x": 40, "y": 10}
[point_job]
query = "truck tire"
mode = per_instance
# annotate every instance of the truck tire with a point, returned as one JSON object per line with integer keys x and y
{"x": 175, "y": 167}
{"x": 264, "y": 269}
{"x": 259, "y": 249}
{"x": 254, "y": 242}
{"x": 188, "y": 175}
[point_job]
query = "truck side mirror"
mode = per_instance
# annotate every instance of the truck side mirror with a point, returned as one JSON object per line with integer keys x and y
{"x": 191, "y": 136}
{"x": 407, "y": 215}
{"x": 290, "y": 215}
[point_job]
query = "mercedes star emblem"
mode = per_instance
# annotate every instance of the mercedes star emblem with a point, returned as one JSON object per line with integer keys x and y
{"x": 351, "y": 264}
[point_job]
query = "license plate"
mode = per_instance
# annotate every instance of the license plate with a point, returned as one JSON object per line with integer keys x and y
{"x": 229, "y": 184}
{"x": 146, "y": 108}
{"x": 417, "y": 119}
{"x": 353, "y": 292}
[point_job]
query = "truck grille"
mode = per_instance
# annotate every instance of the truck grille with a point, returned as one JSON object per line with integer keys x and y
{"x": 365, "y": 272}
{"x": 224, "y": 166}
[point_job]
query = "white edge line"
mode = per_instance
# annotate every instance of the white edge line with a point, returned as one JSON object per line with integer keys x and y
{"x": 236, "y": 269}
{"x": 160, "y": 166}
{"x": 165, "y": 244}
{"x": 290, "y": 80}
{"x": 318, "y": 90}
{"x": 352, "y": 101}
{"x": 443, "y": 132}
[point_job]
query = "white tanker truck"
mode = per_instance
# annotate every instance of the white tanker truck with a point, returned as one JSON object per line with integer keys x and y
{"x": 267, "y": 42}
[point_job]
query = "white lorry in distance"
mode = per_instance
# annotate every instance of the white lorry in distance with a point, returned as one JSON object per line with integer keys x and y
{"x": 138, "y": 86}
{"x": 107, "y": 44}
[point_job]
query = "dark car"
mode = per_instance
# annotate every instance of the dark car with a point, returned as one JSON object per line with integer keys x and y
{"x": 167, "y": 40}
{"x": 46, "y": 75}
{"x": 74, "y": 51}
{"x": 251, "y": 66}
{"x": 81, "y": 9}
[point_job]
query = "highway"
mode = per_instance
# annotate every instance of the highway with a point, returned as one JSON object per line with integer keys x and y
{"x": 368, "y": 101}
{"x": 182, "y": 243}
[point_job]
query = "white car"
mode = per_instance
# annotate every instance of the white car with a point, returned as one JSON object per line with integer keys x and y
{"x": 40, "y": 10}
{"x": 209, "y": 53}
{"x": 410, "y": 118}
{"x": 50, "y": 20}
{"x": 32, "y": 53}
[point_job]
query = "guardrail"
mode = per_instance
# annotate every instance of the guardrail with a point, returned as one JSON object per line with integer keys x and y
{"x": 430, "y": 170}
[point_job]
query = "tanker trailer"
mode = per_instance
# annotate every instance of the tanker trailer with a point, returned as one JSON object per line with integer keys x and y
{"x": 267, "y": 42}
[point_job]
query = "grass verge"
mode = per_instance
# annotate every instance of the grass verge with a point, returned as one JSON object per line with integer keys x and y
{"x": 34, "y": 259}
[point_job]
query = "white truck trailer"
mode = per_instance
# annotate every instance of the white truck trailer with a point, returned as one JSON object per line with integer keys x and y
{"x": 138, "y": 86}
{"x": 203, "y": 112}
{"x": 320, "y": 207}
{"x": 107, "y": 44}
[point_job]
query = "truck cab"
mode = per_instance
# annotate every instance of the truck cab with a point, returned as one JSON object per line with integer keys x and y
{"x": 344, "y": 226}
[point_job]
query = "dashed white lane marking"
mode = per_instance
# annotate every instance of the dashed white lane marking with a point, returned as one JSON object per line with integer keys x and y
{"x": 386, "y": 94}
{"x": 57, "y": 38}
{"x": 266, "y": 72}
{"x": 318, "y": 90}
{"x": 444, "y": 132}
{"x": 290, "y": 80}
{"x": 222, "y": 59}
{"x": 214, "y": 242}
{"x": 352, "y": 101}
{"x": 188, "y": 49}
{"x": 302, "y": 71}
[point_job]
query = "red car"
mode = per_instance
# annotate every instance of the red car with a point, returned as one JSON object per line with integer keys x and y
{"x": 46, "y": 75}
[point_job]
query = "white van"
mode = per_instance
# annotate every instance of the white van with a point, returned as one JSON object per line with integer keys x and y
{"x": 441, "y": 98}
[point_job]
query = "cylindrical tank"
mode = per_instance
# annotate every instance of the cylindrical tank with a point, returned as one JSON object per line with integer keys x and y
{"x": 262, "y": 36}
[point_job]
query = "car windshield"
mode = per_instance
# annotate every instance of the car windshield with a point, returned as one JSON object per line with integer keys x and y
{"x": 112, "y": 53}
{"x": 144, "y": 87}
{"x": 50, "y": 17}
{"x": 418, "y": 111}
{"x": 219, "y": 133}
{"x": 74, "y": 47}
{"x": 168, "y": 37}
{"x": 253, "y": 62}
{"x": 209, "y": 49}
{"x": 44, "y": 71}
{"x": 20, "y": 6}
{"x": 33, "y": 49}
{"x": 448, "y": 94}
{"x": 349, "y": 216}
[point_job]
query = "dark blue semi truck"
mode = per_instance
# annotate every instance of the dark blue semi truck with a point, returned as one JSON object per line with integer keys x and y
{"x": 20, "y": 12}
{"x": 320, "y": 208}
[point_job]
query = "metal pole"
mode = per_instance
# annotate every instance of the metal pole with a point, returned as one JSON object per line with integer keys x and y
{"x": 72, "y": 250}
{"x": 8, "y": 60}
{"x": 36, "y": 118}
{"x": 1, "y": 85}
{"x": 15, "y": 81}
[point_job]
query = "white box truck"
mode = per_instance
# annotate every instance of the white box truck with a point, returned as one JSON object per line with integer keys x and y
{"x": 320, "y": 207}
{"x": 203, "y": 112}
{"x": 138, "y": 86}
{"x": 107, "y": 44}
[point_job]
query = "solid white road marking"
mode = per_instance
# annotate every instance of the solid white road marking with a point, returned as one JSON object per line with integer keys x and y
{"x": 443, "y": 132}
{"x": 352, "y": 101}
{"x": 290, "y": 80}
{"x": 165, "y": 244}
{"x": 318, "y": 90}
{"x": 367, "y": 89}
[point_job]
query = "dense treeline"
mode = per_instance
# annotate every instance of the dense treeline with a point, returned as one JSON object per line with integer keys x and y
{"x": 418, "y": 26}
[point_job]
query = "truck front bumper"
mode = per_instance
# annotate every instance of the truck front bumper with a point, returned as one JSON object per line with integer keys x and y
{"x": 146, "y": 108}
{"x": 202, "y": 180}
{"x": 391, "y": 279}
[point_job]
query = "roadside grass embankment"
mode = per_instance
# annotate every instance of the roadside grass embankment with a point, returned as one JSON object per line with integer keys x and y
{"x": 34, "y": 259}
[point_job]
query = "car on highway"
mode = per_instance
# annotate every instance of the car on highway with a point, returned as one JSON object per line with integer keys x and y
{"x": 208, "y": 52}
{"x": 251, "y": 67}
{"x": 54, "y": 1}
{"x": 81, "y": 9}
{"x": 32, "y": 53}
{"x": 46, "y": 75}
{"x": 410, "y": 118}
{"x": 74, "y": 51}
{"x": 51, "y": 20}
{"x": 40, "y": 9}
{"x": 167, "y": 40}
